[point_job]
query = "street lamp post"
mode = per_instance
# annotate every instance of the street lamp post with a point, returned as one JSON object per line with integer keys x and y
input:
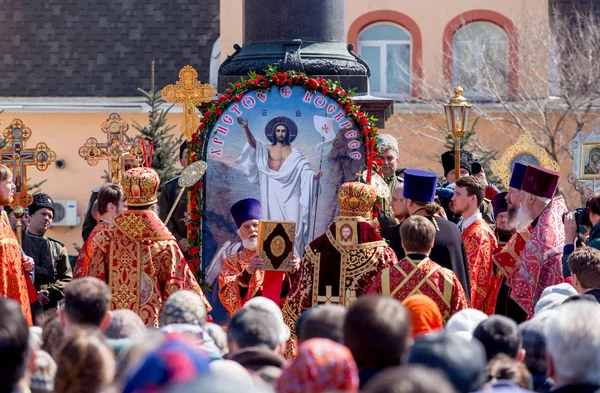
{"x": 457, "y": 116}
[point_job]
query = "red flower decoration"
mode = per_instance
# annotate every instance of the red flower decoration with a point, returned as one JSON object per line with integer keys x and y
{"x": 379, "y": 162}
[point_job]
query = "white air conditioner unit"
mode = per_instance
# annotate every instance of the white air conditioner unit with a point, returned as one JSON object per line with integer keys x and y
{"x": 65, "y": 213}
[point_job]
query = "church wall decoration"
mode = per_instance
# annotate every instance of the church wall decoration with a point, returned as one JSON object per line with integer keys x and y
{"x": 331, "y": 142}
{"x": 525, "y": 151}
{"x": 586, "y": 160}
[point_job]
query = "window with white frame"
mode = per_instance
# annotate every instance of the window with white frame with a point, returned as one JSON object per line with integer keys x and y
{"x": 480, "y": 60}
{"x": 387, "y": 48}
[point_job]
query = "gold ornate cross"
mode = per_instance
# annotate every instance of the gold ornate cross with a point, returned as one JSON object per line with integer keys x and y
{"x": 18, "y": 157}
{"x": 329, "y": 298}
{"x": 116, "y": 149}
{"x": 189, "y": 92}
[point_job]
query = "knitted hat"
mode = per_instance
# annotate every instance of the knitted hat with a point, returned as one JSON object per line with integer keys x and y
{"x": 41, "y": 201}
{"x": 43, "y": 373}
{"x": 183, "y": 307}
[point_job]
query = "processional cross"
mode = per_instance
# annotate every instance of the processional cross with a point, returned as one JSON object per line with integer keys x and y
{"x": 116, "y": 150}
{"x": 18, "y": 157}
{"x": 189, "y": 92}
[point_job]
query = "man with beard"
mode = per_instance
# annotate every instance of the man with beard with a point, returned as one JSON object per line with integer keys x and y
{"x": 504, "y": 229}
{"x": 13, "y": 278}
{"x": 417, "y": 199}
{"x": 539, "y": 265}
{"x": 480, "y": 243}
{"x": 506, "y": 258}
{"x": 242, "y": 276}
{"x": 396, "y": 203}
{"x": 388, "y": 154}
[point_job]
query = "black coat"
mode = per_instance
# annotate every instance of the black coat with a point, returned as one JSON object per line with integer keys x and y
{"x": 448, "y": 250}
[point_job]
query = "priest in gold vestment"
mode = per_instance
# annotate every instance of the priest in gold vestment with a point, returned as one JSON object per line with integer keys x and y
{"x": 137, "y": 256}
{"x": 340, "y": 265}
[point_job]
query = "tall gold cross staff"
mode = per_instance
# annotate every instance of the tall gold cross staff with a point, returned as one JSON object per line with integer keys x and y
{"x": 18, "y": 157}
{"x": 116, "y": 150}
{"x": 189, "y": 92}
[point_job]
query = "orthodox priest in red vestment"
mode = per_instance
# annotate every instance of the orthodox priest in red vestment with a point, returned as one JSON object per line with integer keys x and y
{"x": 110, "y": 203}
{"x": 417, "y": 274}
{"x": 13, "y": 279}
{"x": 137, "y": 256}
{"x": 540, "y": 263}
{"x": 340, "y": 265}
{"x": 480, "y": 243}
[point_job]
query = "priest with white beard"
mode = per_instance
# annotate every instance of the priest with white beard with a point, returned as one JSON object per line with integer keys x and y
{"x": 242, "y": 276}
{"x": 288, "y": 184}
{"x": 539, "y": 265}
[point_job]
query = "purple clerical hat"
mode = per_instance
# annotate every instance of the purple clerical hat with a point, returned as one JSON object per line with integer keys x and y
{"x": 244, "y": 210}
{"x": 499, "y": 204}
{"x": 517, "y": 175}
{"x": 540, "y": 182}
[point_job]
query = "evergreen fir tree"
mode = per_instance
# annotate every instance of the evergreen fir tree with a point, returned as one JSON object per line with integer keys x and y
{"x": 166, "y": 144}
{"x": 486, "y": 158}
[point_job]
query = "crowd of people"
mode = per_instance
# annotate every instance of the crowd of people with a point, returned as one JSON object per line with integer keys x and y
{"x": 454, "y": 287}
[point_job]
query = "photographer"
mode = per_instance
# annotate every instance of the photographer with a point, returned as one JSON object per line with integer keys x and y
{"x": 587, "y": 218}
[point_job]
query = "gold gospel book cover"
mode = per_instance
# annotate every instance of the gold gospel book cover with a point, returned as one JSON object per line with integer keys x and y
{"x": 276, "y": 243}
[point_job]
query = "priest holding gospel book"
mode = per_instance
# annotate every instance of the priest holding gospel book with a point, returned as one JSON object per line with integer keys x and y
{"x": 243, "y": 275}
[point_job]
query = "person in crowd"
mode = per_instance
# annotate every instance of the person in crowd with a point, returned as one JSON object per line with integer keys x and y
{"x": 480, "y": 243}
{"x": 268, "y": 305}
{"x": 321, "y": 366}
{"x": 14, "y": 346}
{"x": 242, "y": 276}
{"x": 219, "y": 336}
{"x": 86, "y": 306}
{"x": 505, "y": 259}
{"x": 396, "y": 206}
{"x": 110, "y": 203}
{"x": 592, "y": 207}
{"x": 534, "y": 344}
{"x": 584, "y": 265}
{"x": 52, "y": 335}
{"x": 254, "y": 341}
{"x": 573, "y": 348}
{"x": 15, "y": 281}
{"x": 13, "y": 220}
{"x": 326, "y": 321}
{"x": 124, "y": 324}
{"x": 388, "y": 155}
{"x": 139, "y": 243}
{"x": 503, "y": 230}
{"x": 500, "y": 334}
{"x": 41, "y": 213}
{"x": 352, "y": 232}
{"x": 448, "y": 249}
{"x": 553, "y": 297}
{"x": 234, "y": 373}
{"x": 464, "y": 322}
{"x": 43, "y": 372}
{"x": 463, "y": 362}
{"x": 426, "y": 276}
{"x": 377, "y": 332}
{"x": 409, "y": 379}
{"x": 540, "y": 263}
{"x": 172, "y": 363}
{"x": 177, "y": 223}
{"x": 425, "y": 316}
{"x": 506, "y": 374}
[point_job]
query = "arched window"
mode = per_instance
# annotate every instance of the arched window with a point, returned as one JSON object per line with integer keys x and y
{"x": 387, "y": 48}
{"x": 480, "y": 60}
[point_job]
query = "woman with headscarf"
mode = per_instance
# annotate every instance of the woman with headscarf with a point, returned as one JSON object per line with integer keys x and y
{"x": 322, "y": 366}
{"x": 425, "y": 315}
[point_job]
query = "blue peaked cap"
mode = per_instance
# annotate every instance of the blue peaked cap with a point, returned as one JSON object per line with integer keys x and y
{"x": 420, "y": 185}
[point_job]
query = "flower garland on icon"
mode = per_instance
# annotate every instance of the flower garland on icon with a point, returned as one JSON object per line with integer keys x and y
{"x": 271, "y": 79}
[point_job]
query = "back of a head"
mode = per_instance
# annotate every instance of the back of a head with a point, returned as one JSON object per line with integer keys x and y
{"x": 325, "y": 321}
{"x": 250, "y": 327}
{"x": 43, "y": 373}
{"x": 14, "y": 344}
{"x": 184, "y": 307}
{"x": 417, "y": 234}
{"x": 85, "y": 364}
{"x": 465, "y": 322}
{"x": 584, "y": 263}
{"x": 499, "y": 334}
{"x": 86, "y": 301}
{"x": 268, "y": 305}
{"x": 462, "y": 361}
{"x": 377, "y": 330}
{"x": 409, "y": 379}
{"x": 533, "y": 332}
{"x": 573, "y": 343}
{"x": 52, "y": 335}
{"x": 503, "y": 367}
{"x": 124, "y": 324}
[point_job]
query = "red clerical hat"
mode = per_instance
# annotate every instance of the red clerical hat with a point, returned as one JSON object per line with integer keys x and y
{"x": 540, "y": 182}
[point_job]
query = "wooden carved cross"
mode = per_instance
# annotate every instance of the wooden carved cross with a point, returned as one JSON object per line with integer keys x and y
{"x": 189, "y": 92}
{"x": 116, "y": 149}
{"x": 18, "y": 157}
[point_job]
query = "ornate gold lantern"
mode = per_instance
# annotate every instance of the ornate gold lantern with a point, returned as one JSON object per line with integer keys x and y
{"x": 457, "y": 117}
